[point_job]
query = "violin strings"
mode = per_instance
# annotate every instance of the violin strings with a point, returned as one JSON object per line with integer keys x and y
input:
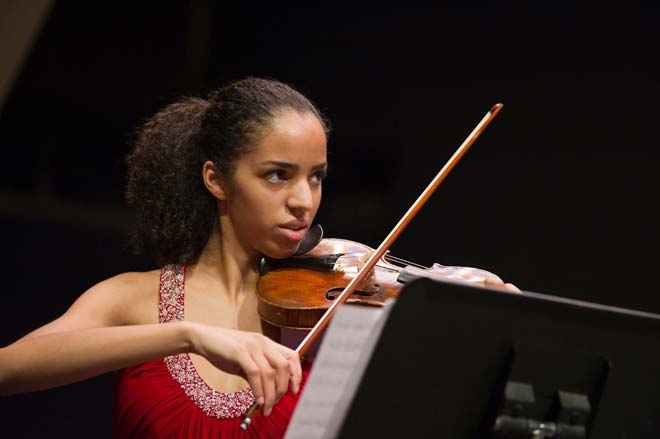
{"x": 402, "y": 261}
{"x": 393, "y": 259}
{"x": 389, "y": 258}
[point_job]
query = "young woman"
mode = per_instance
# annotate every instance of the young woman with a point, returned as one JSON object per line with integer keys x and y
{"x": 217, "y": 183}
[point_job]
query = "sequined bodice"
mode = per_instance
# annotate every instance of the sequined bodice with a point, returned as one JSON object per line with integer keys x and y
{"x": 216, "y": 404}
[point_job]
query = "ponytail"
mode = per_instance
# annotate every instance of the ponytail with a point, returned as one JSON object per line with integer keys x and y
{"x": 175, "y": 212}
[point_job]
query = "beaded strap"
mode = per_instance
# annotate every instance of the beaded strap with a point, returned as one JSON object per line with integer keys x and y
{"x": 215, "y": 404}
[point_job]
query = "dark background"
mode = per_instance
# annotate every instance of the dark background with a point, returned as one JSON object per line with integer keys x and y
{"x": 558, "y": 195}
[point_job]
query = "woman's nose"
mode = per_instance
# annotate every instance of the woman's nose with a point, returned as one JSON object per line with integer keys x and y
{"x": 301, "y": 197}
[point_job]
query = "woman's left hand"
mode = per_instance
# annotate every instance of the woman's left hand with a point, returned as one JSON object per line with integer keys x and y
{"x": 496, "y": 282}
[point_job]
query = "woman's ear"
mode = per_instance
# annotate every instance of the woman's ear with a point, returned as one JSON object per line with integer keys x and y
{"x": 213, "y": 181}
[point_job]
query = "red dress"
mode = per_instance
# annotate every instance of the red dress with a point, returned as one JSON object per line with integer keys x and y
{"x": 166, "y": 398}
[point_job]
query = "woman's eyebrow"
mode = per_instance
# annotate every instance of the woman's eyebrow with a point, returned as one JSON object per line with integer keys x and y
{"x": 287, "y": 165}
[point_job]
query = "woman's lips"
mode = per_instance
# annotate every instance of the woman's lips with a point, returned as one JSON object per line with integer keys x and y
{"x": 293, "y": 234}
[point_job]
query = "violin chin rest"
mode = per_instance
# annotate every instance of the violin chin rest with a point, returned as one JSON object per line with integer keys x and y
{"x": 311, "y": 240}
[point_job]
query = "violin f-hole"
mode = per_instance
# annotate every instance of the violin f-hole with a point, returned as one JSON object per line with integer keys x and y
{"x": 330, "y": 293}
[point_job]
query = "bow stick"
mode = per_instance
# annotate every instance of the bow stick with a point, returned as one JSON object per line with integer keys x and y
{"x": 386, "y": 244}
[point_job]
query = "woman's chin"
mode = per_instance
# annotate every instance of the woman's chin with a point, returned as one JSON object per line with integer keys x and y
{"x": 281, "y": 251}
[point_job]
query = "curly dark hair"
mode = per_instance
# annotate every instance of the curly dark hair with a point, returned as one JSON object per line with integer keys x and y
{"x": 176, "y": 214}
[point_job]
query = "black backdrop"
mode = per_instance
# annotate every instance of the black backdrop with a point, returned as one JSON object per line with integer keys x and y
{"x": 558, "y": 195}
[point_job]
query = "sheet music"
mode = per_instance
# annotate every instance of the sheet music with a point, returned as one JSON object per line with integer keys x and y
{"x": 337, "y": 371}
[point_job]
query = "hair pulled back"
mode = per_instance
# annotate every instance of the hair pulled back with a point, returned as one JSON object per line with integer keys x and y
{"x": 175, "y": 213}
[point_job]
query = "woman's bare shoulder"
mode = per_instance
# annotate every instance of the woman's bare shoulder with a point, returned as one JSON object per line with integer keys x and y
{"x": 134, "y": 282}
{"x": 127, "y": 299}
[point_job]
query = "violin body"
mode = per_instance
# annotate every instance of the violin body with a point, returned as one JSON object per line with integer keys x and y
{"x": 296, "y": 292}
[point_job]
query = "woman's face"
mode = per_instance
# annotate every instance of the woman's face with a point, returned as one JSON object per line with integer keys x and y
{"x": 275, "y": 191}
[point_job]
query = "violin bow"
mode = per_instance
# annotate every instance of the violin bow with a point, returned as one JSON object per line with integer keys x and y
{"x": 313, "y": 334}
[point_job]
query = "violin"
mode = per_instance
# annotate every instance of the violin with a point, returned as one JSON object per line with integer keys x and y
{"x": 303, "y": 301}
{"x": 295, "y": 292}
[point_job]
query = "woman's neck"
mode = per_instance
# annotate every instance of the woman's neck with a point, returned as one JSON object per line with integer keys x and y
{"x": 223, "y": 261}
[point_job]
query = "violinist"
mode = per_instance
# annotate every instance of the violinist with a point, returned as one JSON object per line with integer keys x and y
{"x": 216, "y": 183}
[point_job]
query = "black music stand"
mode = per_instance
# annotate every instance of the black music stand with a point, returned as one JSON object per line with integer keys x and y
{"x": 454, "y": 361}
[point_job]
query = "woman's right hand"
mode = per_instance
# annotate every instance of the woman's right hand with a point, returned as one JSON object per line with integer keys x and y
{"x": 267, "y": 366}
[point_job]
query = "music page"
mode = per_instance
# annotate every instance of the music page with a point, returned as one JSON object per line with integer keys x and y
{"x": 337, "y": 371}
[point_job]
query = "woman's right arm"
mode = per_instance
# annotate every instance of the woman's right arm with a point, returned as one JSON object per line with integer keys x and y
{"x": 58, "y": 358}
{"x": 98, "y": 334}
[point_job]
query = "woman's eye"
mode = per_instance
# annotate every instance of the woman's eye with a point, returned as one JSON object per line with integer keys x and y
{"x": 319, "y": 176}
{"x": 275, "y": 176}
